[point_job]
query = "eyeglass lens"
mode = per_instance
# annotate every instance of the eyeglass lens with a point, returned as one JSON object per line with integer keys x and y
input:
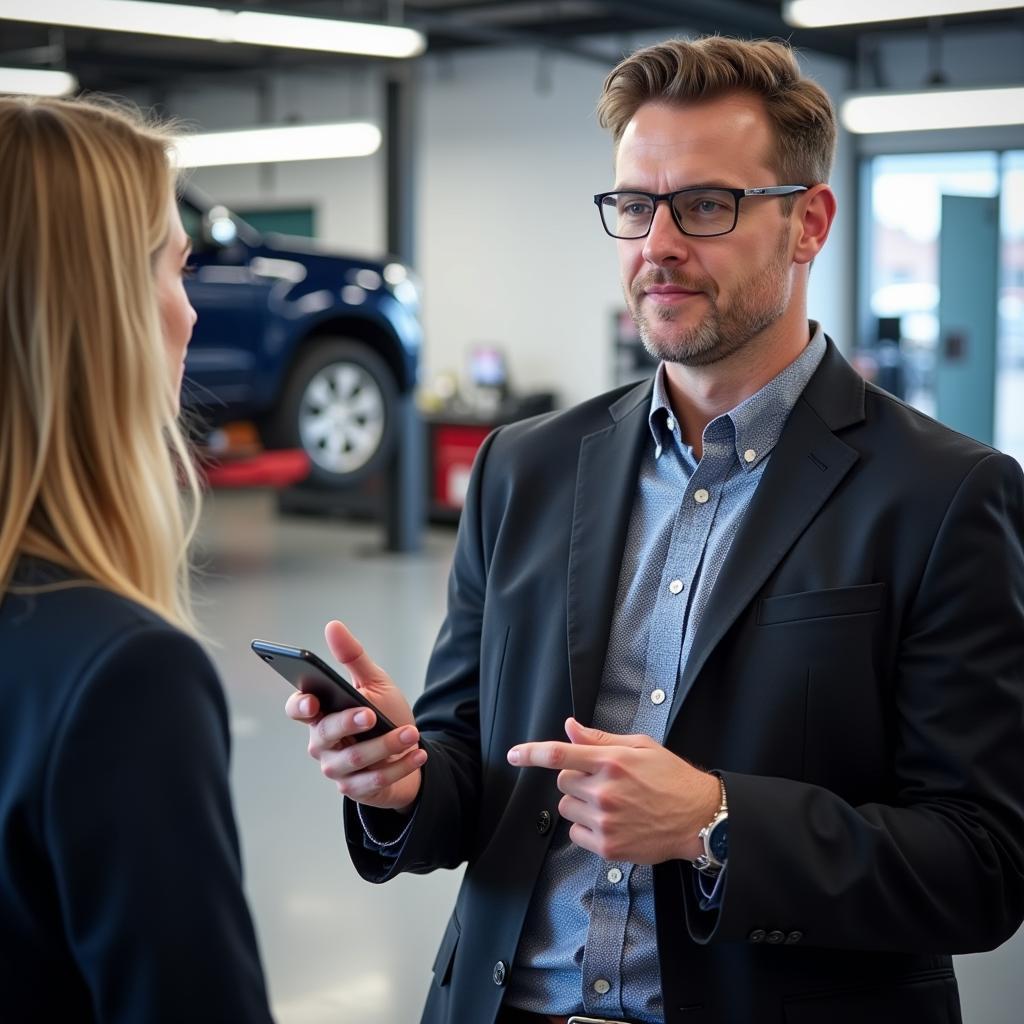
{"x": 709, "y": 211}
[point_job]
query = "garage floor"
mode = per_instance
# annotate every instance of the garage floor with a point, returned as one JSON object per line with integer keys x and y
{"x": 336, "y": 949}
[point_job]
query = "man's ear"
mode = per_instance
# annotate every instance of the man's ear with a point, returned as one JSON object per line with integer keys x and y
{"x": 813, "y": 215}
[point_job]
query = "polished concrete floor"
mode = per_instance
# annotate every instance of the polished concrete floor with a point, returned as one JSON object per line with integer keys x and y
{"x": 336, "y": 949}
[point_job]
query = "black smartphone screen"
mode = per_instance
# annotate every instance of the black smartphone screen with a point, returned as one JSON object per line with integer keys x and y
{"x": 310, "y": 674}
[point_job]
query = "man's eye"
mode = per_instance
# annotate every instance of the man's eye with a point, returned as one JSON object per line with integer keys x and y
{"x": 635, "y": 209}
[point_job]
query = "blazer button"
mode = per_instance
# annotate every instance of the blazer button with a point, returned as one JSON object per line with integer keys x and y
{"x": 757, "y": 935}
{"x": 794, "y": 937}
{"x": 544, "y": 822}
{"x": 500, "y": 972}
{"x": 775, "y": 937}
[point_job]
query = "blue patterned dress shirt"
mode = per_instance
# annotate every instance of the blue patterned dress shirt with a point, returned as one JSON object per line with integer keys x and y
{"x": 589, "y": 944}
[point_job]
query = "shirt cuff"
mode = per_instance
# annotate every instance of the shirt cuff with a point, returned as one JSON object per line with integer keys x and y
{"x": 377, "y": 823}
{"x": 710, "y": 900}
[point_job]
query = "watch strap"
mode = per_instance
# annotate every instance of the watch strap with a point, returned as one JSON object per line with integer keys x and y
{"x": 707, "y": 862}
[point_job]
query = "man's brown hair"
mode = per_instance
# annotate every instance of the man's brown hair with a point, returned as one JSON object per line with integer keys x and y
{"x": 683, "y": 70}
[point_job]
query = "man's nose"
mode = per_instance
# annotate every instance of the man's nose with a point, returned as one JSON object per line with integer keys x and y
{"x": 665, "y": 243}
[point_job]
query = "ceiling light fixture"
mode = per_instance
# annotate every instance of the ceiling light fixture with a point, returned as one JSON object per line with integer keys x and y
{"x": 222, "y": 26}
{"x": 932, "y": 109}
{"x": 275, "y": 145}
{"x": 819, "y": 13}
{"x": 37, "y": 81}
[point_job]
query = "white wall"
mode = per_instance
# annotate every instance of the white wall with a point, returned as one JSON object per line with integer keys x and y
{"x": 511, "y": 250}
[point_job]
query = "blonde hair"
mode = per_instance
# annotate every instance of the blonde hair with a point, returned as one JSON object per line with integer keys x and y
{"x": 681, "y": 71}
{"x": 91, "y": 454}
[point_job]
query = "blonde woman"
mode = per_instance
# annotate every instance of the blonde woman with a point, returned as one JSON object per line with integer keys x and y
{"x": 120, "y": 879}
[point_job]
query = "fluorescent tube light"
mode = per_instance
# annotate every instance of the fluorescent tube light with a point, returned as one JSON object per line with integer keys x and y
{"x": 37, "y": 82}
{"x": 273, "y": 145}
{"x": 819, "y": 13}
{"x": 932, "y": 109}
{"x": 222, "y": 26}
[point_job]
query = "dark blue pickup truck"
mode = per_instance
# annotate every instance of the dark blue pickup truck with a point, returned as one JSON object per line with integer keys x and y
{"x": 315, "y": 348}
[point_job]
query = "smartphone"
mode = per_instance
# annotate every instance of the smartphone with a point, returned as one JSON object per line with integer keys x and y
{"x": 310, "y": 674}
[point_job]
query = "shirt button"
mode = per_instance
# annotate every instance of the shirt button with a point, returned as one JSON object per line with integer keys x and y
{"x": 658, "y": 697}
{"x": 757, "y": 935}
{"x": 749, "y": 455}
{"x": 775, "y": 937}
{"x": 675, "y": 586}
{"x": 543, "y": 822}
{"x": 602, "y": 987}
{"x": 670, "y": 423}
{"x": 701, "y": 496}
{"x": 500, "y": 972}
{"x": 615, "y": 876}
{"x": 793, "y": 938}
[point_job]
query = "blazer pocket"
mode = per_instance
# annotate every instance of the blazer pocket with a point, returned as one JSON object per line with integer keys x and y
{"x": 931, "y": 997}
{"x": 820, "y": 604}
{"x": 446, "y": 952}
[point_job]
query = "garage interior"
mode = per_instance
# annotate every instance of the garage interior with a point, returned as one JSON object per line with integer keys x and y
{"x": 519, "y": 308}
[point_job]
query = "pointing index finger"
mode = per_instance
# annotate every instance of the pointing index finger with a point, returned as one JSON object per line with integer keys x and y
{"x": 555, "y": 755}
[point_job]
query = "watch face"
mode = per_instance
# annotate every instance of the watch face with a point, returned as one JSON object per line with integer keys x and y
{"x": 718, "y": 841}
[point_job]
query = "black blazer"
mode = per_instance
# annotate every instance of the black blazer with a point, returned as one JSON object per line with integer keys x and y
{"x": 120, "y": 881}
{"x": 858, "y": 679}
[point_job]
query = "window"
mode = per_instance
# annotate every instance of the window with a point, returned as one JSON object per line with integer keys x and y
{"x": 904, "y": 221}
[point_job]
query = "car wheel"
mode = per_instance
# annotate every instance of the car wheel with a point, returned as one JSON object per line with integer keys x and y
{"x": 339, "y": 406}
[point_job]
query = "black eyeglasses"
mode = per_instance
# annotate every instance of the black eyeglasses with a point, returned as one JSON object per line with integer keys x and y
{"x": 699, "y": 211}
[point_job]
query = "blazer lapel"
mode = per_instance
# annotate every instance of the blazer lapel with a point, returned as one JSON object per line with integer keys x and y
{"x": 806, "y": 466}
{"x": 606, "y": 476}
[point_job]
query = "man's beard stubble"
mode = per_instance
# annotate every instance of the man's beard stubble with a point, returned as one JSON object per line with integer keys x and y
{"x": 759, "y": 302}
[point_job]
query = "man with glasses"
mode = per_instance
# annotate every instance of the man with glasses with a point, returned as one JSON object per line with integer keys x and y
{"x": 778, "y": 615}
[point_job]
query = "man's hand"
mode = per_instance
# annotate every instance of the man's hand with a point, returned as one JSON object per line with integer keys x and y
{"x": 380, "y": 772}
{"x": 629, "y": 798}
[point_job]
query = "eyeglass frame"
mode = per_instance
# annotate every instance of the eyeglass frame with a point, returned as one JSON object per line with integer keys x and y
{"x": 668, "y": 197}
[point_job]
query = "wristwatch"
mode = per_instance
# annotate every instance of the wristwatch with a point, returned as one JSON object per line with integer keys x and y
{"x": 715, "y": 837}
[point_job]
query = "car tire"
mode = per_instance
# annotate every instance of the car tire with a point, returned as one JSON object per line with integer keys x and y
{"x": 340, "y": 406}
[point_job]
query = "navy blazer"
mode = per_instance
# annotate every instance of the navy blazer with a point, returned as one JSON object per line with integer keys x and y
{"x": 120, "y": 878}
{"x": 857, "y": 678}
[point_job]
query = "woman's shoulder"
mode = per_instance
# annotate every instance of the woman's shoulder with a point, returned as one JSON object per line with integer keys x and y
{"x": 41, "y": 592}
{"x": 88, "y": 673}
{"x": 74, "y": 632}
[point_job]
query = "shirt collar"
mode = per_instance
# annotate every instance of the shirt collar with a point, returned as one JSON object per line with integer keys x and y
{"x": 757, "y": 421}
{"x": 661, "y": 418}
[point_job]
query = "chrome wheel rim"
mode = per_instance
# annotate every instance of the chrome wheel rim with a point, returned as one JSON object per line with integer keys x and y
{"x": 341, "y": 417}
